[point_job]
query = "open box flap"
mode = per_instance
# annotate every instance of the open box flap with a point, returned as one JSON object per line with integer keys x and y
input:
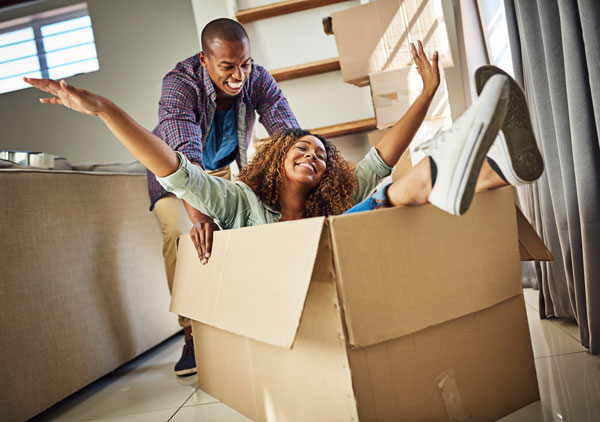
{"x": 531, "y": 246}
{"x": 255, "y": 283}
{"x": 401, "y": 270}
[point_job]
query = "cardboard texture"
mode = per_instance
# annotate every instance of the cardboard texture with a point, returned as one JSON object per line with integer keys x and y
{"x": 386, "y": 309}
{"x": 394, "y": 91}
{"x": 375, "y": 37}
{"x": 531, "y": 246}
{"x": 228, "y": 301}
{"x": 395, "y": 314}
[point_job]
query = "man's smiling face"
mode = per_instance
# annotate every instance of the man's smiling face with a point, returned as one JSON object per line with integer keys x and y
{"x": 228, "y": 64}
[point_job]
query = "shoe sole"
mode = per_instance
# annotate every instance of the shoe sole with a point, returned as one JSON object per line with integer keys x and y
{"x": 186, "y": 372}
{"x": 484, "y": 139}
{"x": 526, "y": 159}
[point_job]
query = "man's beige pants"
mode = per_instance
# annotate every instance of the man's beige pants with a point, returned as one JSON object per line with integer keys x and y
{"x": 174, "y": 221}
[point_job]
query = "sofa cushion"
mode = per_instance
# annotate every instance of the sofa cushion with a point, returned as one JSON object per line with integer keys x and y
{"x": 82, "y": 286}
{"x": 7, "y": 164}
{"x": 133, "y": 167}
{"x": 60, "y": 163}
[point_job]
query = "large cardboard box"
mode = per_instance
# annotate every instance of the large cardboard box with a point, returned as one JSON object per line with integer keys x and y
{"x": 395, "y": 314}
{"x": 375, "y": 37}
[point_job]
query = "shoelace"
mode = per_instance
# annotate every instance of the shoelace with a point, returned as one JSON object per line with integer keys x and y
{"x": 441, "y": 136}
{"x": 436, "y": 140}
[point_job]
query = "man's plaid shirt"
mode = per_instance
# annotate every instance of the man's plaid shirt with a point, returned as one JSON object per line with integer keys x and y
{"x": 187, "y": 106}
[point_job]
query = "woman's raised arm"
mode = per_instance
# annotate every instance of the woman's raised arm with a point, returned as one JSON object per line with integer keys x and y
{"x": 398, "y": 137}
{"x": 152, "y": 152}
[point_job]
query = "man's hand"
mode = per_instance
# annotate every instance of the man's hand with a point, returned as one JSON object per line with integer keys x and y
{"x": 202, "y": 236}
{"x": 429, "y": 72}
{"x": 201, "y": 232}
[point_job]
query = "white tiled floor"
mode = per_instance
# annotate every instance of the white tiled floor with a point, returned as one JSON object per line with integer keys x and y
{"x": 147, "y": 390}
{"x": 568, "y": 376}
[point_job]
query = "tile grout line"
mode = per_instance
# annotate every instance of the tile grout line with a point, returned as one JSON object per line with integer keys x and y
{"x": 173, "y": 415}
{"x": 119, "y": 415}
{"x": 560, "y": 354}
{"x": 565, "y": 331}
{"x": 180, "y": 407}
{"x": 557, "y": 325}
{"x": 206, "y": 404}
{"x": 189, "y": 397}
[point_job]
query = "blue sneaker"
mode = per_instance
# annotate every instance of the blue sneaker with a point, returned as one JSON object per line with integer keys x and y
{"x": 187, "y": 362}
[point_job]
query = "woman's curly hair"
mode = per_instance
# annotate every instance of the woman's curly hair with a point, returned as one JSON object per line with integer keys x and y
{"x": 264, "y": 174}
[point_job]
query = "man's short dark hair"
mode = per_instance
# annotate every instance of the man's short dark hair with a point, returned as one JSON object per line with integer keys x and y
{"x": 222, "y": 29}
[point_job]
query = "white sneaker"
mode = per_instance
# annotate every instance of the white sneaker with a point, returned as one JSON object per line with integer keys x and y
{"x": 458, "y": 153}
{"x": 500, "y": 155}
{"x": 515, "y": 150}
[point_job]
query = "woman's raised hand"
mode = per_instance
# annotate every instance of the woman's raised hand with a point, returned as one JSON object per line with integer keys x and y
{"x": 153, "y": 153}
{"x": 76, "y": 99}
{"x": 429, "y": 71}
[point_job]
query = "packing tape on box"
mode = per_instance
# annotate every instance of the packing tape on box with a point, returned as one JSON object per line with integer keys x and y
{"x": 451, "y": 397}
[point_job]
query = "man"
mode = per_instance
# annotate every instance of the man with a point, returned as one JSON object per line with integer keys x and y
{"x": 207, "y": 112}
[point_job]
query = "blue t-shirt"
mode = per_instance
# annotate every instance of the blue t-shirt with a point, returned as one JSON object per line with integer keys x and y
{"x": 222, "y": 143}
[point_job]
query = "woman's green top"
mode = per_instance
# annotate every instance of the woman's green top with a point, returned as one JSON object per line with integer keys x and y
{"x": 234, "y": 204}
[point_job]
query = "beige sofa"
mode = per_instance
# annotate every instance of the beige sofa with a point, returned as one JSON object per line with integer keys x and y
{"x": 82, "y": 283}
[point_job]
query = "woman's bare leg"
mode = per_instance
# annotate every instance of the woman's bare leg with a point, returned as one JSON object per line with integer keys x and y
{"x": 488, "y": 178}
{"x": 414, "y": 188}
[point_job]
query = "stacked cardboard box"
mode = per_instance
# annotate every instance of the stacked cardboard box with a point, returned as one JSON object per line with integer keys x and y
{"x": 393, "y": 92}
{"x": 395, "y": 314}
{"x": 373, "y": 46}
{"x": 375, "y": 37}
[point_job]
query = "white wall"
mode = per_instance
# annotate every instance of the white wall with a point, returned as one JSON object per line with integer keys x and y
{"x": 138, "y": 42}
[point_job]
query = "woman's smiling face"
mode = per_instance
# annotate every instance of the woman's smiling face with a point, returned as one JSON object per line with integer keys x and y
{"x": 306, "y": 161}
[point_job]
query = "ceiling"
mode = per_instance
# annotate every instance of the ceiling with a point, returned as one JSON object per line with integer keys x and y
{"x": 6, "y": 3}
